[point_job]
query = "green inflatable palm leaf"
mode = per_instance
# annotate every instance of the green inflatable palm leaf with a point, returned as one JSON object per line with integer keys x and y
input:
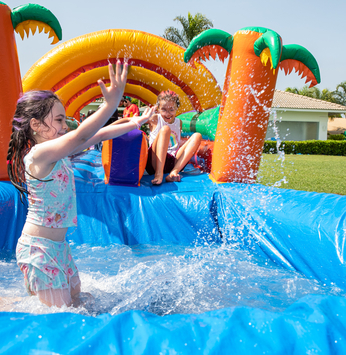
{"x": 209, "y": 43}
{"x": 33, "y": 16}
{"x": 299, "y": 58}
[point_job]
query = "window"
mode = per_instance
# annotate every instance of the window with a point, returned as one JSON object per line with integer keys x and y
{"x": 293, "y": 131}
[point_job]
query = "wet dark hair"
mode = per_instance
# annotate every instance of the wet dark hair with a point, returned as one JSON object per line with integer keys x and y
{"x": 168, "y": 95}
{"x": 32, "y": 104}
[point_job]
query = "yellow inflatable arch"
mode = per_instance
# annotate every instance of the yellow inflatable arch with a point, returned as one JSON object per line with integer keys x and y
{"x": 73, "y": 68}
{"x": 75, "y": 94}
{"x": 93, "y": 93}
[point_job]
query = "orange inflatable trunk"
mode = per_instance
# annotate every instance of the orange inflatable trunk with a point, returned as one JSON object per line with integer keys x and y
{"x": 10, "y": 83}
{"x": 243, "y": 122}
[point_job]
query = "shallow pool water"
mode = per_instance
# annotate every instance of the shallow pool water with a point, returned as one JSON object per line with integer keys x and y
{"x": 169, "y": 279}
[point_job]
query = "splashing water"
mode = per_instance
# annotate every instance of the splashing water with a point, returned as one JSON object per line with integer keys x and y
{"x": 168, "y": 279}
{"x": 280, "y": 161}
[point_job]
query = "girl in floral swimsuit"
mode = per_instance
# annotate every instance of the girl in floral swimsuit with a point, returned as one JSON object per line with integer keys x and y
{"x": 38, "y": 165}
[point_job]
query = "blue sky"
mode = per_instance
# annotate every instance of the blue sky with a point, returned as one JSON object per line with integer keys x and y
{"x": 319, "y": 26}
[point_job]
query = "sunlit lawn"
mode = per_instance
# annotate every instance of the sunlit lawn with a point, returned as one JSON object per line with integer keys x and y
{"x": 319, "y": 173}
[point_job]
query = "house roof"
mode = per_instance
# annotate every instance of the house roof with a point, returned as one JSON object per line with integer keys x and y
{"x": 287, "y": 100}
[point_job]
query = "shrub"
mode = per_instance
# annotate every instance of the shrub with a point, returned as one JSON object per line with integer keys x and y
{"x": 336, "y": 137}
{"x": 328, "y": 147}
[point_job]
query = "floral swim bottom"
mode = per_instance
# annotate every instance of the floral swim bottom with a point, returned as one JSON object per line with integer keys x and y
{"x": 45, "y": 264}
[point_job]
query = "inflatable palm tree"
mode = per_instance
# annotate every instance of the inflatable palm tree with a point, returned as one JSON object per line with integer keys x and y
{"x": 248, "y": 93}
{"x": 21, "y": 19}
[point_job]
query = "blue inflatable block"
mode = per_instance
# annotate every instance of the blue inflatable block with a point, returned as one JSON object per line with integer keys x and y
{"x": 12, "y": 215}
{"x": 125, "y": 162}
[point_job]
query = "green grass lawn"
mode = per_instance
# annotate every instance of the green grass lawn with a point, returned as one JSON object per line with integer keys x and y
{"x": 318, "y": 173}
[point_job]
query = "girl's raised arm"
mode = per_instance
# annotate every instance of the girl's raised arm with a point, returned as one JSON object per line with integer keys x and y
{"x": 117, "y": 129}
{"x": 52, "y": 150}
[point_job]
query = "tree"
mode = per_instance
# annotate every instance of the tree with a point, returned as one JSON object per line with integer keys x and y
{"x": 340, "y": 93}
{"x": 292, "y": 90}
{"x": 192, "y": 26}
{"x": 316, "y": 93}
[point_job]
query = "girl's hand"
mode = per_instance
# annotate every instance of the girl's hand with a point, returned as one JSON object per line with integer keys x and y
{"x": 139, "y": 120}
{"x": 114, "y": 92}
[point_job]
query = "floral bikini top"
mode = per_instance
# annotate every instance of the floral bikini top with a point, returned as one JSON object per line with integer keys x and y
{"x": 52, "y": 202}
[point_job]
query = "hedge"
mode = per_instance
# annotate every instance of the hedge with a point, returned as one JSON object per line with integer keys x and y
{"x": 336, "y": 137}
{"x": 328, "y": 147}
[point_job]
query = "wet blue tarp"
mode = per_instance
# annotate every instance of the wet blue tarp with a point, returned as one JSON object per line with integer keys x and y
{"x": 298, "y": 230}
{"x": 310, "y": 326}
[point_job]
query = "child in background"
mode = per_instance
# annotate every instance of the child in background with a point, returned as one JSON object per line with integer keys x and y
{"x": 165, "y": 154}
{"x": 38, "y": 164}
{"x": 130, "y": 109}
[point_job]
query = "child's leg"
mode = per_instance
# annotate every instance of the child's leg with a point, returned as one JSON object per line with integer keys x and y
{"x": 61, "y": 297}
{"x": 159, "y": 153}
{"x": 58, "y": 298}
{"x": 75, "y": 286}
{"x": 185, "y": 153}
{"x": 79, "y": 298}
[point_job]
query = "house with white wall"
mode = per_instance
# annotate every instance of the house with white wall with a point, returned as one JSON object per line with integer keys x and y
{"x": 297, "y": 118}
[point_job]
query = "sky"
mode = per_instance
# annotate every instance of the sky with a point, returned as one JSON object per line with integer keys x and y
{"x": 319, "y": 26}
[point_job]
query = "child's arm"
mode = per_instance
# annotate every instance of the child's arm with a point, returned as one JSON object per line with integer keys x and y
{"x": 53, "y": 150}
{"x": 122, "y": 120}
{"x": 117, "y": 129}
